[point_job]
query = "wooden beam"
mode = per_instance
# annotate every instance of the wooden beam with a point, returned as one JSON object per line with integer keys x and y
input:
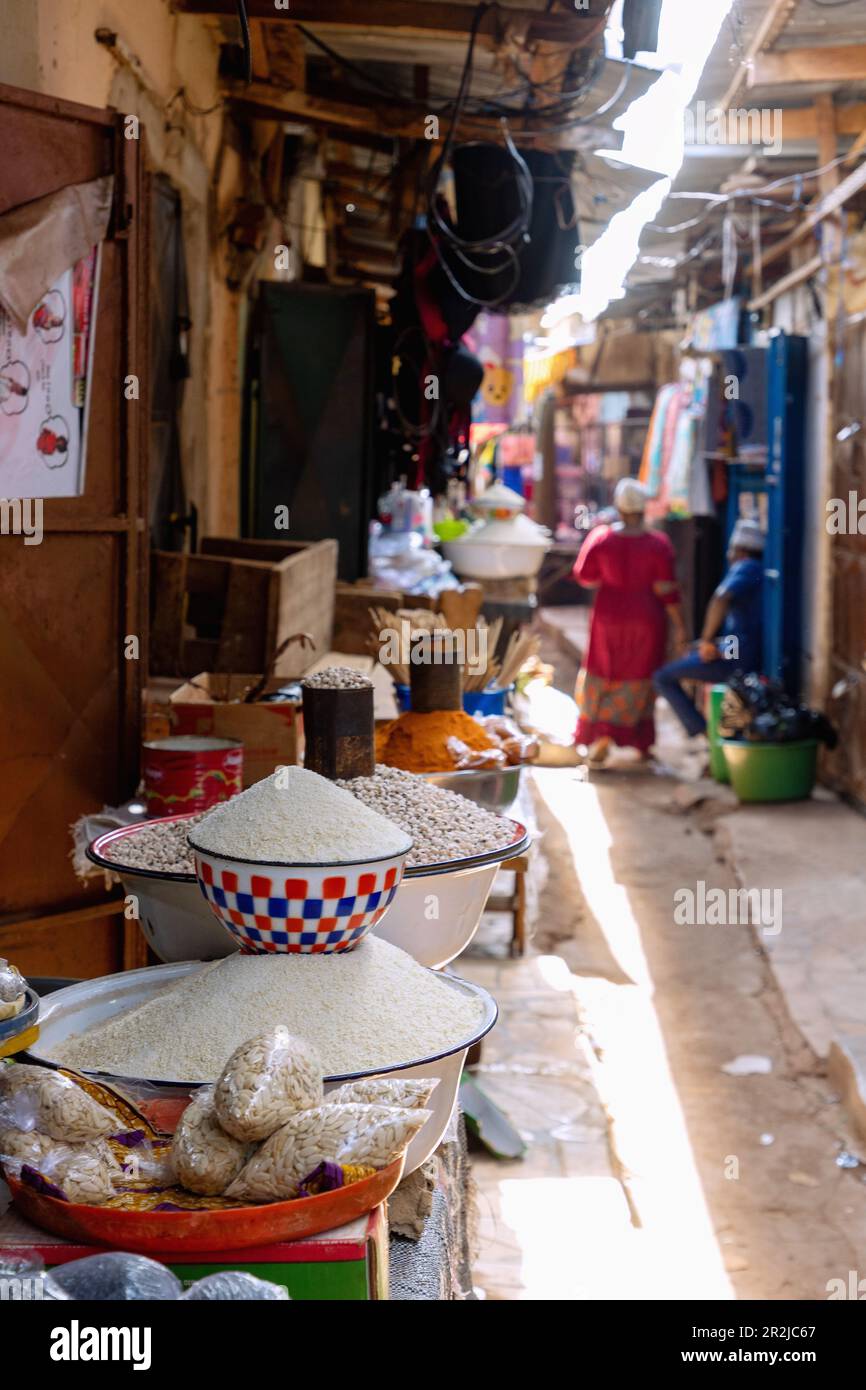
{"x": 361, "y": 139}
{"x": 858, "y": 146}
{"x": 258, "y": 46}
{"x": 66, "y": 917}
{"x": 342, "y": 171}
{"x": 574, "y": 27}
{"x": 788, "y": 282}
{"x": 777, "y": 16}
{"x": 834, "y": 63}
{"x": 828, "y": 180}
{"x": 823, "y": 208}
{"x": 800, "y": 122}
{"x": 384, "y": 118}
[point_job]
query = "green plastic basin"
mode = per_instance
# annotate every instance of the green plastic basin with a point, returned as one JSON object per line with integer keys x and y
{"x": 771, "y": 771}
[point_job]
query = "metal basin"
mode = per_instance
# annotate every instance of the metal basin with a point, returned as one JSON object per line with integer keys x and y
{"x": 495, "y": 788}
{"x": 180, "y": 926}
{"x": 174, "y": 916}
{"x": 437, "y": 908}
{"x": 82, "y": 1006}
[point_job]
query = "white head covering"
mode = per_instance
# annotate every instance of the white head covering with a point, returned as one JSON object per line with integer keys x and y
{"x": 629, "y": 496}
{"x": 747, "y": 535}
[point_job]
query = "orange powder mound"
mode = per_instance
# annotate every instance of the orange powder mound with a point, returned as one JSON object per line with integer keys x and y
{"x": 418, "y": 742}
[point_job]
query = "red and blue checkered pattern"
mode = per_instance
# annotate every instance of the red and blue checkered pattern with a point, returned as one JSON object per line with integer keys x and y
{"x": 267, "y": 913}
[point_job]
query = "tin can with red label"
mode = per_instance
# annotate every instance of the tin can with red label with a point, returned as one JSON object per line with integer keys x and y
{"x": 188, "y": 773}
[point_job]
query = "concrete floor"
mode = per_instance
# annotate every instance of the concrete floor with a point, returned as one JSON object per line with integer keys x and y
{"x": 651, "y": 1171}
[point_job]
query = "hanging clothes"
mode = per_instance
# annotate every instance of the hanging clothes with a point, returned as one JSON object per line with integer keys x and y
{"x": 658, "y": 439}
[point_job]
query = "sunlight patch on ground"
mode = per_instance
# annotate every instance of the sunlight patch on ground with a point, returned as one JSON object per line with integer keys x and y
{"x": 650, "y": 1134}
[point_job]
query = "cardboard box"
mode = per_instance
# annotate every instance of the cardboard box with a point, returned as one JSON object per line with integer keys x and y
{"x": 271, "y": 733}
{"x": 346, "y": 1265}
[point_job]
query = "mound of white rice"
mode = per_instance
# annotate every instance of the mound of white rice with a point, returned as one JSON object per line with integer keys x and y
{"x": 363, "y": 1010}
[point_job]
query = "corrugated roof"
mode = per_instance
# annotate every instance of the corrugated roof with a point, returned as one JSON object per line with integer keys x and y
{"x": 708, "y": 168}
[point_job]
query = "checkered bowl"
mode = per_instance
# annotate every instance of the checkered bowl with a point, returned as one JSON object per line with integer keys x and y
{"x": 297, "y": 908}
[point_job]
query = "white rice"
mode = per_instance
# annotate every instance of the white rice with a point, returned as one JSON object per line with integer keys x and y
{"x": 297, "y": 817}
{"x": 362, "y": 1010}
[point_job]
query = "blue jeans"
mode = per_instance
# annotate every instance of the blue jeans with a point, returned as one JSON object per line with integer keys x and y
{"x": 691, "y": 668}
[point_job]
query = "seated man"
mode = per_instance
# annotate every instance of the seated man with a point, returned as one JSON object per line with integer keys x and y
{"x": 731, "y": 637}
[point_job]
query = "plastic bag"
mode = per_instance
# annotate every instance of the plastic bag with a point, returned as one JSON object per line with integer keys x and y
{"x": 145, "y": 1162}
{"x": 345, "y": 1134}
{"x": 205, "y": 1158}
{"x": 83, "y": 1172}
{"x": 264, "y": 1082}
{"x": 479, "y": 758}
{"x": 234, "y": 1286}
{"x": 410, "y": 1094}
{"x": 28, "y": 1272}
{"x": 500, "y": 726}
{"x": 760, "y": 710}
{"x": 12, "y": 990}
{"x": 45, "y": 1100}
{"x": 116, "y": 1276}
{"x": 517, "y": 746}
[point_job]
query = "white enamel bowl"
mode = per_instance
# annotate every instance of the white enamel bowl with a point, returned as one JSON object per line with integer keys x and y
{"x": 433, "y": 916}
{"x": 438, "y": 907}
{"x": 476, "y": 559}
{"x": 78, "y": 1007}
{"x": 174, "y": 916}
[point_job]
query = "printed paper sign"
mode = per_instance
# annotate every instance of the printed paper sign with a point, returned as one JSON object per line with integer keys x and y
{"x": 42, "y": 390}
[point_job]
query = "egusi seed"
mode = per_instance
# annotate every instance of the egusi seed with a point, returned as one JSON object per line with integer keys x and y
{"x": 443, "y": 824}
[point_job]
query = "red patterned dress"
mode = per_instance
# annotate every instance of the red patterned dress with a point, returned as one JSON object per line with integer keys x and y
{"x": 635, "y": 575}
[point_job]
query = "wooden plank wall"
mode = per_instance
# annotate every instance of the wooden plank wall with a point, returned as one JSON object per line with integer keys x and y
{"x": 70, "y": 700}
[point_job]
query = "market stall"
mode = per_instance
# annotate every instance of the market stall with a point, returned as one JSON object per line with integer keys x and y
{"x": 299, "y": 1051}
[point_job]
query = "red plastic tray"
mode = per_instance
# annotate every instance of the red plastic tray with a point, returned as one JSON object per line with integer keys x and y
{"x": 170, "y": 1232}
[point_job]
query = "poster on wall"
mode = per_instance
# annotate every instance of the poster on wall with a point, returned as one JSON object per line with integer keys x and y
{"x": 500, "y": 399}
{"x": 44, "y": 377}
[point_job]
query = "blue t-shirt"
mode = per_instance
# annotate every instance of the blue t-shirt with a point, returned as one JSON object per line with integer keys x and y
{"x": 743, "y": 585}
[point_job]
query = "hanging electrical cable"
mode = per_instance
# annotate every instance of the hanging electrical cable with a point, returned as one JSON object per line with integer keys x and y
{"x": 245, "y": 41}
{"x": 489, "y": 255}
{"x": 715, "y": 200}
{"x": 561, "y": 107}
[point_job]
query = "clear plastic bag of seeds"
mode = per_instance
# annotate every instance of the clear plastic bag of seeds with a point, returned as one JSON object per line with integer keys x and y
{"x": 265, "y": 1081}
{"x": 204, "y": 1157}
{"x": 409, "y": 1093}
{"x": 53, "y": 1104}
{"x": 85, "y": 1172}
{"x": 369, "y": 1135}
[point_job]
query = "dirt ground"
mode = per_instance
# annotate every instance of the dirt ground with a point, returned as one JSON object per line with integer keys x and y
{"x": 651, "y": 1171}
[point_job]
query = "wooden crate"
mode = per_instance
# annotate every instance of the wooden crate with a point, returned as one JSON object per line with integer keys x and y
{"x": 352, "y": 613}
{"x": 230, "y": 607}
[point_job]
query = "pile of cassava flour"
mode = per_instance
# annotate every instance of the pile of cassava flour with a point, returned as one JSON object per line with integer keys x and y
{"x": 297, "y": 817}
{"x": 362, "y": 1010}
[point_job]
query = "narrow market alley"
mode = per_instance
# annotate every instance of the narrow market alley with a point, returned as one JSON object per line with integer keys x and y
{"x": 433, "y": 667}
{"x": 700, "y": 1184}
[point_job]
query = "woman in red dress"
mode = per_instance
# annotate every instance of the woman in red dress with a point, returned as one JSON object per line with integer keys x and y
{"x": 634, "y": 571}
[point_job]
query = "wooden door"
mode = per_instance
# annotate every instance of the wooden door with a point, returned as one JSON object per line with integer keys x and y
{"x": 69, "y": 697}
